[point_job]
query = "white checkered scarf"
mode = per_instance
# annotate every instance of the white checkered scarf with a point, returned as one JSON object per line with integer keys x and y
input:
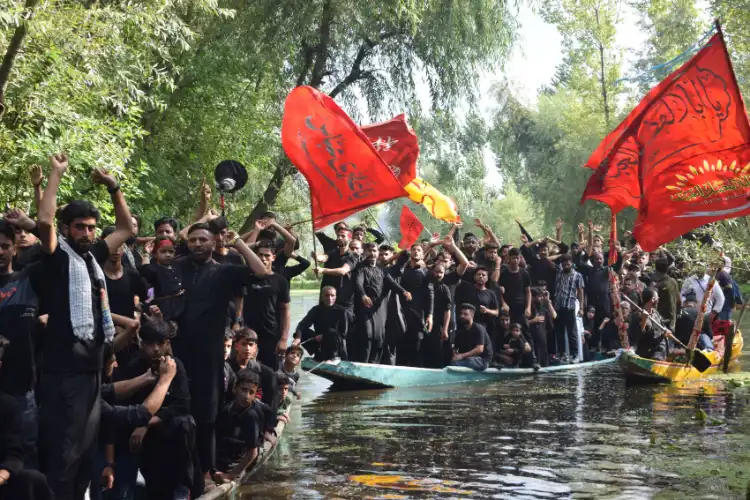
{"x": 79, "y": 291}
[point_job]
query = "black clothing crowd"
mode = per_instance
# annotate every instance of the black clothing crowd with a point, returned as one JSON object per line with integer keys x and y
{"x": 172, "y": 354}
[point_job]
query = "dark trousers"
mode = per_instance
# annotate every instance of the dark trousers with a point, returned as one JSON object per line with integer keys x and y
{"x": 409, "y": 347}
{"x": 69, "y": 415}
{"x": 168, "y": 457}
{"x": 267, "y": 352}
{"x": 27, "y": 485}
{"x": 30, "y": 429}
{"x": 205, "y": 441}
{"x": 566, "y": 321}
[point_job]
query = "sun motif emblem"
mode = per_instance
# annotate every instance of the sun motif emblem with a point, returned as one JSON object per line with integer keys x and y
{"x": 691, "y": 179}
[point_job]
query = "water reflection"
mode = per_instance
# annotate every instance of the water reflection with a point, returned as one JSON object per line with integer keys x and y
{"x": 557, "y": 436}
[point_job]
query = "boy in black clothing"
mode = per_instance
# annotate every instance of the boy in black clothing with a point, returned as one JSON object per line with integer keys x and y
{"x": 328, "y": 324}
{"x": 167, "y": 445}
{"x": 284, "y": 383}
{"x": 239, "y": 428}
{"x": 516, "y": 285}
{"x": 244, "y": 357}
{"x": 516, "y": 351}
{"x": 229, "y": 376}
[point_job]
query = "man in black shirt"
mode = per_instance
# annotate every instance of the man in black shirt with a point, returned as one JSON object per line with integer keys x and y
{"x": 326, "y": 323}
{"x": 597, "y": 287}
{"x": 267, "y": 311}
{"x": 71, "y": 285}
{"x": 418, "y": 310}
{"x": 7, "y": 252}
{"x": 472, "y": 342}
{"x": 516, "y": 284}
{"x": 484, "y": 300}
{"x": 223, "y": 254}
{"x": 371, "y": 287}
{"x": 337, "y": 266}
{"x": 209, "y": 287}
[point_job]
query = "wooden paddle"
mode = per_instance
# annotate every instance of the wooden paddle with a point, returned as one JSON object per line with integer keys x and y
{"x": 700, "y": 361}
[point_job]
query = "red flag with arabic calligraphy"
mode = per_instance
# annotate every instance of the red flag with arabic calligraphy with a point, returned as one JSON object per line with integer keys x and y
{"x": 696, "y": 111}
{"x": 343, "y": 169}
{"x": 411, "y": 228}
{"x": 397, "y": 144}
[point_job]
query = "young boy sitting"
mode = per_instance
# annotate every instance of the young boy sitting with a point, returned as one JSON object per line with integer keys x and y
{"x": 165, "y": 445}
{"x": 284, "y": 384}
{"x": 292, "y": 360}
{"x": 516, "y": 351}
{"x": 239, "y": 428}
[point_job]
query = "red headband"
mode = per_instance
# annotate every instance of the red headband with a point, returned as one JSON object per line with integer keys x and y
{"x": 164, "y": 243}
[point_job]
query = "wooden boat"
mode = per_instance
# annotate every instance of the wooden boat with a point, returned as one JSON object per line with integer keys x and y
{"x": 230, "y": 490}
{"x": 349, "y": 375}
{"x": 676, "y": 368}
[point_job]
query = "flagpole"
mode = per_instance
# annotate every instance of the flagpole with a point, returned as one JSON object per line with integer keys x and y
{"x": 379, "y": 228}
{"x": 314, "y": 238}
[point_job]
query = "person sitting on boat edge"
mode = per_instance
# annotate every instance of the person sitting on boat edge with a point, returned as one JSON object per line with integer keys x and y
{"x": 292, "y": 359}
{"x": 284, "y": 384}
{"x": 239, "y": 429}
{"x": 326, "y": 327}
{"x": 516, "y": 351}
{"x": 473, "y": 344}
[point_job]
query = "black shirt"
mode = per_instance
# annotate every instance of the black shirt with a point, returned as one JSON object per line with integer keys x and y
{"x": 17, "y": 323}
{"x": 515, "y": 285}
{"x": 238, "y": 430}
{"x": 342, "y": 284}
{"x": 11, "y": 435}
{"x": 466, "y": 340}
{"x": 262, "y": 304}
{"x": 122, "y": 291}
{"x": 62, "y": 351}
{"x": 231, "y": 257}
{"x": 469, "y": 294}
{"x": 200, "y": 339}
{"x": 28, "y": 256}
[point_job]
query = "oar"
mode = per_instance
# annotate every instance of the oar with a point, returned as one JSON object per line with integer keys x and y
{"x": 700, "y": 361}
{"x": 729, "y": 340}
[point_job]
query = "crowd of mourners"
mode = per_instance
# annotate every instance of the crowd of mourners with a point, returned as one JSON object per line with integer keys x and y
{"x": 172, "y": 354}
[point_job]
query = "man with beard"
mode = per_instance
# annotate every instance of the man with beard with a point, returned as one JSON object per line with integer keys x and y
{"x": 484, "y": 300}
{"x": 268, "y": 311}
{"x": 71, "y": 288}
{"x": 437, "y": 347}
{"x": 208, "y": 288}
{"x": 568, "y": 288}
{"x": 541, "y": 268}
{"x": 328, "y": 324}
{"x": 473, "y": 344}
{"x": 417, "y": 311}
{"x": 336, "y": 271}
{"x": 371, "y": 287}
{"x": 470, "y": 246}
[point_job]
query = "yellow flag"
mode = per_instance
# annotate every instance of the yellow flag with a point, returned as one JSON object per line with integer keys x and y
{"x": 440, "y": 206}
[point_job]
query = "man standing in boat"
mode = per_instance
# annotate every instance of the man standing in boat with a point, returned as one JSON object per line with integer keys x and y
{"x": 417, "y": 311}
{"x": 371, "y": 286}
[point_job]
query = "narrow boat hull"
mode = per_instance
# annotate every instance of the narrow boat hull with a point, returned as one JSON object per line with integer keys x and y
{"x": 638, "y": 369}
{"x": 349, "y": 375}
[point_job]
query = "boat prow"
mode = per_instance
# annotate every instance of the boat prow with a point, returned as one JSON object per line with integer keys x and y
{"x": 638, "y": 369}
{"x": 352, "y": 375}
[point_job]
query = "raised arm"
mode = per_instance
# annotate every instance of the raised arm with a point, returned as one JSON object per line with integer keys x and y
{"x": 558, "y": 229}
{"x": 379, "y": 237}
{"x": 488, "y": 233}
{"x": 253, "y": 262}
{"x": 37, "y": 177}
{"x": 462, "y": 262}
{"x": 124, "y": 227}
{"x": 290, "y": 241}
{"x": 205, "y": 197}
{"x": 48, "y": 205}
{"x": 590, "y": 242}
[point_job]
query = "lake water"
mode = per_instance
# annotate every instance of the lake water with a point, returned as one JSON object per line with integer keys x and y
{"x": 582, "y": 435}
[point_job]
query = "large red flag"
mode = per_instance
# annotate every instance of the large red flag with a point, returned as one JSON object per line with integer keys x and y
{"x": 343, "y": 169}
{"x": 397, "y": 144}
{"x": 411, "y": 228}
{"x": 696, "y": 110}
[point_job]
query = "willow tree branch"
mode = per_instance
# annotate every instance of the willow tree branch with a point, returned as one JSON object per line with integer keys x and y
{"x": 14, "y": 47}
{"x": 321, "y": 53}
{"x": 356, "y": 72}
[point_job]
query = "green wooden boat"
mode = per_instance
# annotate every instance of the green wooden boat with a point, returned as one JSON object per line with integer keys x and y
{"x": 349, "y": 375}
{"x": 230, "y": 491}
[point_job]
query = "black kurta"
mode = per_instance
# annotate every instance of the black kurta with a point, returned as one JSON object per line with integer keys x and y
{"x": 200, "y": 338}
